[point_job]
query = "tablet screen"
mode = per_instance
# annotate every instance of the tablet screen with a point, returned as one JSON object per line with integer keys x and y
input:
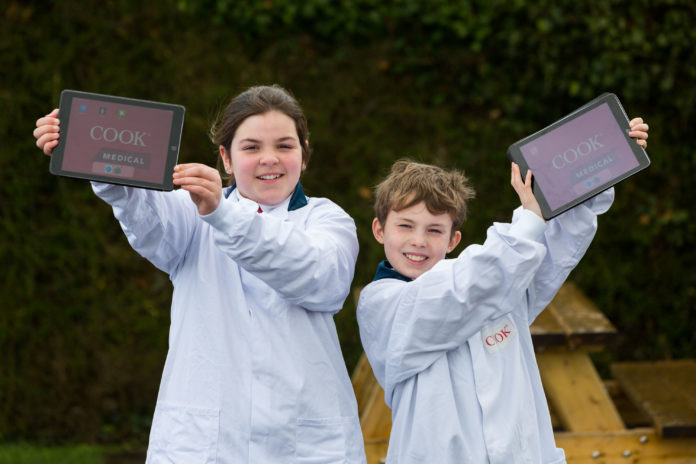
{"x": 118, "y": 140}
{"x": 579, "y": 156}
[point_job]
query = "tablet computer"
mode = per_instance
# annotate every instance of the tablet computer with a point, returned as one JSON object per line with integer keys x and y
{"x": 117, "y": 140}
{"x": 580, "y": 155}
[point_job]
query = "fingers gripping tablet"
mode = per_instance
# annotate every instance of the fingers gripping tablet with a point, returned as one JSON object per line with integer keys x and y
{"x": 580, "y": 155}
{"x": 117, "y": 140}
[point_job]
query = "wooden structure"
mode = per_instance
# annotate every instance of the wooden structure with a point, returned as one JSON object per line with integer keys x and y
{"x": 647, "y": 415}
{"x": 665, "y": 391}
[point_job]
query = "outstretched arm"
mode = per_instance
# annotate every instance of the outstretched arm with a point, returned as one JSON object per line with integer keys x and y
{"x": 157, "y": 224}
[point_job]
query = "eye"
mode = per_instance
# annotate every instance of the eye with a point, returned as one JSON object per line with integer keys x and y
{"x": 249, "y": 147}
{"x": 435, "y": 231}
{"x": 285, "y": 147}
{"x": 405, "y": 226}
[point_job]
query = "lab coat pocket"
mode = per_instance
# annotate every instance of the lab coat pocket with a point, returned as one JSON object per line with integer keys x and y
{"x": 333, "y": 440}
{"x": 183, "y": 434}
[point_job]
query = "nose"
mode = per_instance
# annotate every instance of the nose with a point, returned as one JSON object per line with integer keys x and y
{"x": 418, "y": 239}
{"x": 268, "y": 157}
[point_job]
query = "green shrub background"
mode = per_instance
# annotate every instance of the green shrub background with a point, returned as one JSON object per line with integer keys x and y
{"x": 84, "y": 319}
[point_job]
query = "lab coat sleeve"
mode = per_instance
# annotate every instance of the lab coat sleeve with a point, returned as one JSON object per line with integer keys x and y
{"x": 158, "y": 225}
{"x": 406, "y": 326}
{"x": 310, "y": 264}
{"x": 567, "y": 238}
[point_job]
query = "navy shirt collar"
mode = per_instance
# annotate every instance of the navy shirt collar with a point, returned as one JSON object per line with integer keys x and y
{"x": 297, "y": 200}
{"x": 386, "y": 271}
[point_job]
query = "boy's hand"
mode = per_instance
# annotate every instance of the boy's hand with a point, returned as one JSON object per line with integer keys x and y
{"x": 639, "y": 131}
{"x": 524, "y": 190}
{"x": 46, "y": 132}
{"x": 203, "y": 184}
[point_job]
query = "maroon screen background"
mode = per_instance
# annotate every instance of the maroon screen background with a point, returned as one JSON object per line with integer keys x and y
{"x": 81, "y": 153}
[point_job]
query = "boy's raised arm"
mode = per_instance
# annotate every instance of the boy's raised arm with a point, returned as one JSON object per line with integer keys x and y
{"x": 568, "y": 236}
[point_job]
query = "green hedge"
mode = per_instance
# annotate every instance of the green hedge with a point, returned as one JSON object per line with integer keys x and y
{"x": 84, "y": 319}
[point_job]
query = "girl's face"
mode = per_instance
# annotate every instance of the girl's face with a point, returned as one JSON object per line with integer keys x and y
{"x": 265, "y": 157}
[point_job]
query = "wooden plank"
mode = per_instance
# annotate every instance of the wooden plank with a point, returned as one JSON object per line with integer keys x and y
{"x": 638, "y": 446}
{"x": 665, "y": 391}
{"x": 582, "y": 322}
{"x": 644, "y": 446}
{"x": 362, "y": 379}
{"x": 576, "y": 392}
{"x": 546, "y": 331}
{"x": 376, "y": 451}
{"x": 375, "y": 420}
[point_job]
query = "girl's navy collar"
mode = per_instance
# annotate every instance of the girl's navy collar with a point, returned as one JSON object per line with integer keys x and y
{"x": 386, "y": 271}
{"x": 297, "y": 200}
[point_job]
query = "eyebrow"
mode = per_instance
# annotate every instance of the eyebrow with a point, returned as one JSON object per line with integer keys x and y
{"x": 282, "y": 139}
{"x": 433, "y": 224}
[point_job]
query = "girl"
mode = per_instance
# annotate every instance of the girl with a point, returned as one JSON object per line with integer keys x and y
{"x": 254, "y": 371}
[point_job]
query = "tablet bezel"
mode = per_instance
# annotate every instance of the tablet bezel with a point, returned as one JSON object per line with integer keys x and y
{"x": 514, "y": 153}
{"x": 66, "y": 101}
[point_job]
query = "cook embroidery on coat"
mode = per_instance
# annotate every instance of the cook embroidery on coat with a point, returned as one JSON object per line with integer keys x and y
{"x": 497, "y": 337}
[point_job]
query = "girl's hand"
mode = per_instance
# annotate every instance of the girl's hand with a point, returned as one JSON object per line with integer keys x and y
{"x": 46, "y": 132}
{"x": 203, "y": 184}
{"x": 639, "y": 131}
{"x": 524, "y": 190}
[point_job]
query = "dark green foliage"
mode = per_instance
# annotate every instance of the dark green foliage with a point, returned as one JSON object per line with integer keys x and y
{"x": 84, "y": 319}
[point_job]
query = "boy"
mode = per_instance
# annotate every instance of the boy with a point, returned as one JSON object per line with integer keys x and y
{"x": 448, "y": 339}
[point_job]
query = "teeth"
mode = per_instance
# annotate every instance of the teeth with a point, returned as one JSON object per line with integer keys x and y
{"x": 415, "y": 257}
{"x": 269, "y": 176}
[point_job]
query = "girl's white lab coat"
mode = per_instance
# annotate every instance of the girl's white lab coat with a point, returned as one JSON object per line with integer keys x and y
{"x": 254, "y": 372}
{"x": 452, "y": 348}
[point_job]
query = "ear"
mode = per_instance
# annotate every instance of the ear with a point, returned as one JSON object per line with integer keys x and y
{"x": 378, "y": 231}
{"x": 226, "y": 159}
{"x": 454, "y": 241}
{"x": 304, "y": 165}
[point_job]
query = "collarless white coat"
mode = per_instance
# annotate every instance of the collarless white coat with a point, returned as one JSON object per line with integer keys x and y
{"x": 254, "y": 372}
{"x": 453, "y": 351}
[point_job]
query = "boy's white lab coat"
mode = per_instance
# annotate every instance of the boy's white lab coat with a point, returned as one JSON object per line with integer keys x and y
{"x": 254, "y": 372}
{"x": 453, "y": 351}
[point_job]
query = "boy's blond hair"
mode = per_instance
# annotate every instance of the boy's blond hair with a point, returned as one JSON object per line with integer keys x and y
{"x": 410, "y": 183}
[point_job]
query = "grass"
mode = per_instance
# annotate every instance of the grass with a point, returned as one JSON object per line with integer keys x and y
{"x": 30, "y": 454}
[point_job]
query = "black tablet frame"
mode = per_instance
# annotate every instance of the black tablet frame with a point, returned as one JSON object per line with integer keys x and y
{"x": 514, "y": 153}
{"x": 58, "y": 155}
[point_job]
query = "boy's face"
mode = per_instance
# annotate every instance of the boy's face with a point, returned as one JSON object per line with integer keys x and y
{"x": 414, "y": 239}
{"x": 265, "y": 157}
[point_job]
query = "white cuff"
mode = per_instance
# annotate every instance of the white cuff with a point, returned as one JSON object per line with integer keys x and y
{"x": 527, "y": 225}
{"x": 217, "y": 217}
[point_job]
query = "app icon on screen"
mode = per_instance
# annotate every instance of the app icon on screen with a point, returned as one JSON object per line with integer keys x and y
{"x": 121, "y": 113}
{"x": 83, "y": 108}
{"x": 102, "y": 110}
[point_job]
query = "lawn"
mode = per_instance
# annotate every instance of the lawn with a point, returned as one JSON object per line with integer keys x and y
{"x": 30, "y": 454}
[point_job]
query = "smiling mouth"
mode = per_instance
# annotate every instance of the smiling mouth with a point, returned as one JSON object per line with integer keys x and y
{"x": 269, "y": 176}
{"x": 415, "y": 258}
